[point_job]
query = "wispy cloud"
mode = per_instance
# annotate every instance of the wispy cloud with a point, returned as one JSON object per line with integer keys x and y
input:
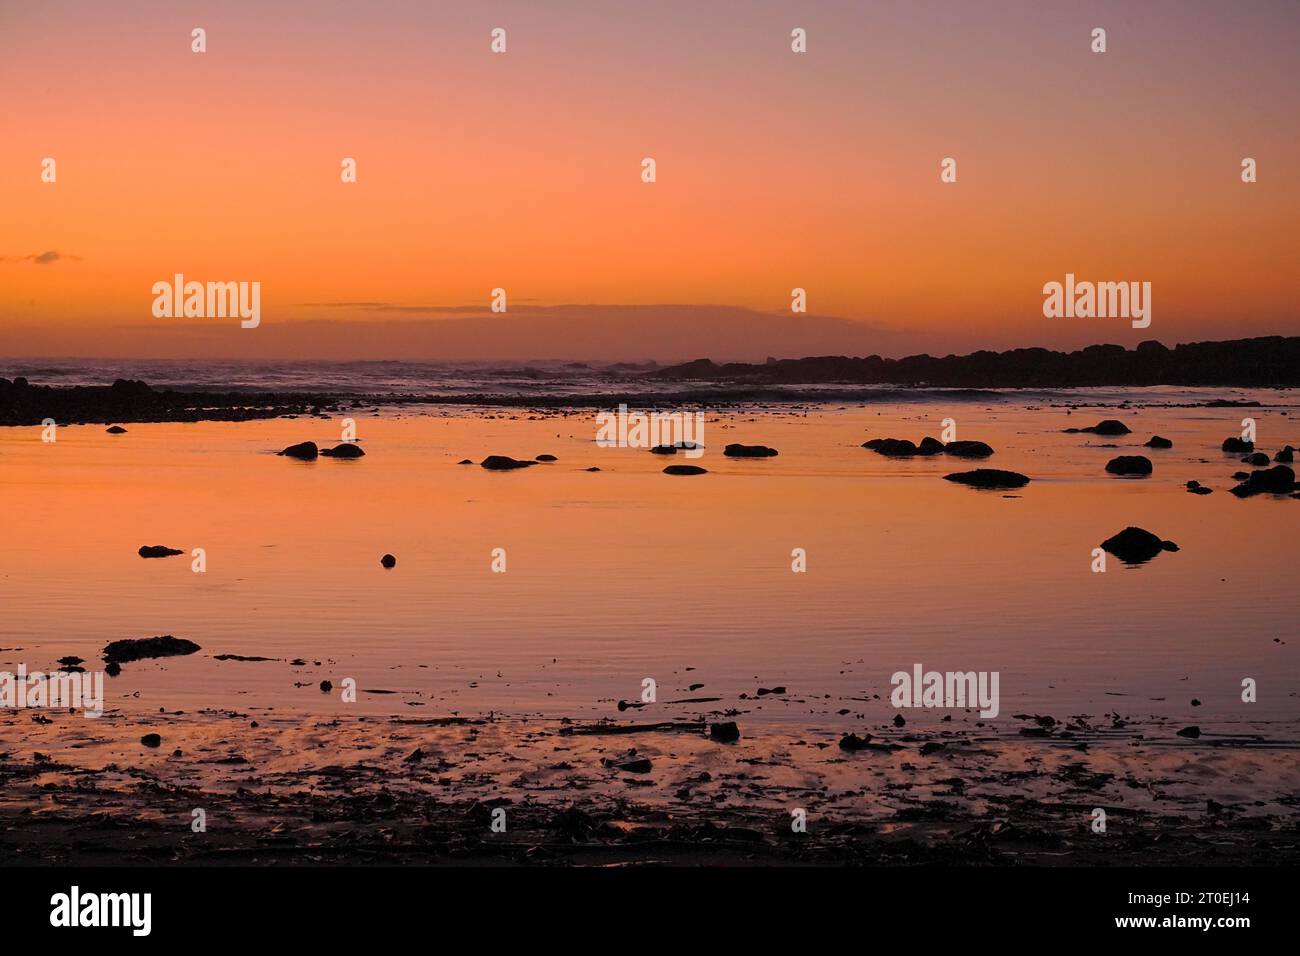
{"x": 42, "y": 258}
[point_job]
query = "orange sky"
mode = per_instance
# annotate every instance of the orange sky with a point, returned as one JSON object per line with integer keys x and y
{"x": 522, "y": 170}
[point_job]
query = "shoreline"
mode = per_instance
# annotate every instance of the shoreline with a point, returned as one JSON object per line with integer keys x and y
{"x": 136, "y": 402}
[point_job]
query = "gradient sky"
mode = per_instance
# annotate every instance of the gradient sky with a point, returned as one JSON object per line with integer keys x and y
{"x": 522, "y": 171}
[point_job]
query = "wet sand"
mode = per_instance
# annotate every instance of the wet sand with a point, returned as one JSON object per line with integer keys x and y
{"x": 422, "y": 789}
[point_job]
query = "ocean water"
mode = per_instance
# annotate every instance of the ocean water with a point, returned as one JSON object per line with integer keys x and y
{"x": 625, "y": 574}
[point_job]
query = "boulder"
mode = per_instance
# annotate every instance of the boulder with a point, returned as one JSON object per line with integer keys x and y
{"x": 503, "y": 463}
{"x": 546, "y": 458}
{"x": 1109, "y": 426}
{"x": 305, "y": 451}
{"x": 388, "y": 561}
{"x": 1285, "y": 456}
{"x": 1257, "y": 460}
{"x": 968, "y": 449}
{"x": 895, "y": 448}
{"x": 1155, "y": 441}
{"x": 158, "y": 551}
{"x": 989, "y": 478}
{"x": 749, "y": 451}
{"x": 727, "y": 733}
{"x": 1196, "y": 488}
{"x": 663, "y": 450}
{"x": 138, "y": 649}
{"x": 1278, "y": 480}
{"x": 1129, "y": 465}
{"x": 115, "y": 430}
{"x": 151, "y": 740}
{"x": 1237, "y": 446}
{"x": 346, "y": 450}
{"x": 685, "y": 470}
{"x": 930, "y": 446}
{"x": 1136, "y": 545}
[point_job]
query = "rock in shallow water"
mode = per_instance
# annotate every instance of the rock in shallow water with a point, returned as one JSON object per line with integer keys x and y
{"x": 1129, "y": 465}
{"x": 305, "y": 451}
{"x": 138, "y": 649}
{"x": 685, "y": 470}
{"x": 1136, "y": 545}
{"x": 968, "y": 449}
{"x": 388, "y": 561}
{"x": 1278, "y": 480}
{"x": 749, "y": 451}
{"x": 503, "y": 463}
{"x": 158, "y": 551}
{"x": 989, "y": 478}
{"x": 1110, "y": 426}
{"x": 346, "y": 450}
{"x": 1155, "y": 441}
{"x": 115, "y": 430}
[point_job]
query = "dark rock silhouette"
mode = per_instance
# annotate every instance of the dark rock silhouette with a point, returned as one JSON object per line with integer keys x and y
{"x": 1129, "y": 465}
{"x": 1193, "y": 732}
{"x": 132, "y": 401}
{"x": 151, "y": 740}
{"x": 685, "y": 470}
{"x": 663, "y": 450}
{"x": 749, "y": 451}
{"x": 989, "y": 478}
{"x": 1110, "y": 426}
{"x": 345, "y": 450}
{"x": 1237, "y": 446}
{"x": 968, "y": 449}
{"x": 726, "y": 732}
{"x": 1196, "y": 488}
{"x": 1258, "y": 459}
{"x": 464, "y": 461}
{"x": 930, "y": 446}
{"x": 503, "y": 463}
{"x": 1267, "y": 360}
{"x": 1285, "y": 456}
{"x": 891, "y": 447}
{"x": 138, "y": 649}
{"x": 546, "y": 458}
{"x": 1155, "y": 441}
{"x": 388, "y": 561}
{"x": 306, "y": 451}
{"x": 115, "y": 430}
{"x": 1136, "y": 545}
{"x": 1278, "y": 480}
{"x": 158, "y": 551}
